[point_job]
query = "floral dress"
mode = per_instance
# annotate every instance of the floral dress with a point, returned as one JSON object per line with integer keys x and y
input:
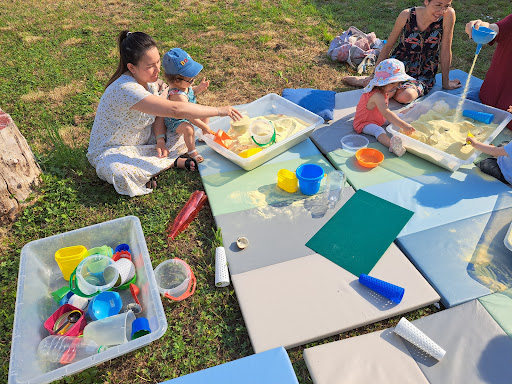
{"x": 419, "y": 51}
{"x": 122, "y": 147}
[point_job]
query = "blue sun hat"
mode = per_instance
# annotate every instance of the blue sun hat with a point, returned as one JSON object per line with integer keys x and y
{"x": 388, "y": 71}
{"x": 178, "y": 62}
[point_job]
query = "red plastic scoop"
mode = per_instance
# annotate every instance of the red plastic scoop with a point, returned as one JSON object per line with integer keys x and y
{"x": 187, "y": 213}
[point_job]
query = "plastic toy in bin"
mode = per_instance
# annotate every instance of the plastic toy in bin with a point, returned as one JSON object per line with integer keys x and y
{"x": 68, "y": 258}
{"x": 263, "y": 132}
{"x": 104, "y": 305}
{"x": 140, "y": 327}
{"x": 220, "y": 136}
{"x": 483, "y": 117}
{"x": 104, "y": 250}
{"x": 175, "y": 279}
{"x": 187, "y": 213}
{"x": 66, "y": 320}
{"x": 122, "y": 247}
{"x": 95, "y": 274}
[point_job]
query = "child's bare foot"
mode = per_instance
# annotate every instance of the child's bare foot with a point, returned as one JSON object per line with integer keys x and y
{"x": 356, "y": 81}
{"x": 196, "y": 156}
{"x": 395, "y": 146}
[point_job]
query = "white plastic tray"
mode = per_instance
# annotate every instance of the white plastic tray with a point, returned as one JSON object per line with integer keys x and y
{"x": 39, "y": 275}
{"x": 437, "y": 156}
{"x": 266, "y": 105}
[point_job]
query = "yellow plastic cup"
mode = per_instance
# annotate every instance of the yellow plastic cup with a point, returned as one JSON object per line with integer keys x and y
{"x": 249, "y": 152}
{"x": 287, "y": 180}
{"x": 68, "y": 259}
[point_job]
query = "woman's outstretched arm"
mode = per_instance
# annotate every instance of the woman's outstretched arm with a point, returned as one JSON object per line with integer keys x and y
{"x": 157, "y": 106}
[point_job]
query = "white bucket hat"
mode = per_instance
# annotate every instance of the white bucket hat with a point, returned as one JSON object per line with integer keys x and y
{"x": 388, "y": 71}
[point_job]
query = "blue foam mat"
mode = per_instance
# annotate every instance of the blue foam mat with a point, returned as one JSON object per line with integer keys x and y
{"x": 269, "y": 367}
{"x": 463, "y": 260}
{"x": 444, "y": 197}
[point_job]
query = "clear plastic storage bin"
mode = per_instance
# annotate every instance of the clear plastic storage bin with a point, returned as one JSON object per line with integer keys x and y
{"x": 39, "y": 275}
{"x": 266, "y": 105}
{"x": 437, "y": 156}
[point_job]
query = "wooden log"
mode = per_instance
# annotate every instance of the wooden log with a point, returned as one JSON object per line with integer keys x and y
{"x": 19, "y": 171}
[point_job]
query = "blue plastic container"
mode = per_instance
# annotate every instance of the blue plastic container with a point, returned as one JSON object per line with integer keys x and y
{"x": 122, "y": 247}
{"x": 310, "y": 176}
{"x": 388, "y": 290}
{"x": 140, "y": 327}
{"x": 483, "y": 117}
{"x": 104, "y": 305}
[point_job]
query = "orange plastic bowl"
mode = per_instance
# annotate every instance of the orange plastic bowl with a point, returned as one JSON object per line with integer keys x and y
{"x": 369, "y": 157}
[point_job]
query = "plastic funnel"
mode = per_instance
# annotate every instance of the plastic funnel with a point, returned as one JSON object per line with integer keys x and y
{"x": 104, "y": 305}
{"x": 175, "y": 279}
{"x": 286, "y": 180}
{"x": 388, "y": 290}
{"x": 112, "y": 330}
{"x": 310, "y": 176}
{"x": 68, "y": 259}
{"x": 414, "y": 336}
{"x": 483, "y": 117}
{"x": 481, "y": 36}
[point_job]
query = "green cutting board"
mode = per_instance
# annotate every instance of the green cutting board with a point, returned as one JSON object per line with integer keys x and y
{"x": 358, "y": 234}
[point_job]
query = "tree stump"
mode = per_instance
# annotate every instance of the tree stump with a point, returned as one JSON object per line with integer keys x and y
{"x": 19, "y": 172}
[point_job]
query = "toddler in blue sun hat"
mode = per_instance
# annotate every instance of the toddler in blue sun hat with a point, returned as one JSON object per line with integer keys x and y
{"x": 180, "y": 73}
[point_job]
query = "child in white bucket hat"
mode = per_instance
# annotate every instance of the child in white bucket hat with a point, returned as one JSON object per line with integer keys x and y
{"x": 372, "y": 110}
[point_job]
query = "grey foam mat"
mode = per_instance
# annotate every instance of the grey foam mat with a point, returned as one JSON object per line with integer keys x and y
{"x": 276, "y": 232}
{"x": 309, "y": 298}
{"x": 477, "y": 352}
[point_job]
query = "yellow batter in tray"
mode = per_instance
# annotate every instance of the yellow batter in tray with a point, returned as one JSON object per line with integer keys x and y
{"x": 438, "y": 129}
{"x": 239, "y": 131}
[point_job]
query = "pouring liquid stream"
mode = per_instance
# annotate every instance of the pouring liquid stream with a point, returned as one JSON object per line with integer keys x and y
{"x": 458, "y": 111}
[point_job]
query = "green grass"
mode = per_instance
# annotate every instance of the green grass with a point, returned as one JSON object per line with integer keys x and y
{"x": 57, "y": 57}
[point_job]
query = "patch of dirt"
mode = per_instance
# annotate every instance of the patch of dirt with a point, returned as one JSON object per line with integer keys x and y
{"x": 55, "y": 95}
{"x": 72, "y": 41}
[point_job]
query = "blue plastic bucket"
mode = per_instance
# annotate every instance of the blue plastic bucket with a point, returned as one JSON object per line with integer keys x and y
{"x": 310, "y": 176}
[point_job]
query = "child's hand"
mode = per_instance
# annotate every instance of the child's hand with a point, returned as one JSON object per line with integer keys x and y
{"x": 203, "y": 86}
{"x": 509, "y": 109}
{"x": 408, "y": 130}
{"x": 471, "y": 140}
{"x": 207, "y": 131}
{"x": 161, "y": 149}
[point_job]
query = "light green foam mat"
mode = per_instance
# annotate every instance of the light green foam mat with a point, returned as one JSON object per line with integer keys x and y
{"x": 499, "y": 306}
{"x": 360, "y": 232}
{"x": 240, "y": 190}
{"x": 392, "y": 168}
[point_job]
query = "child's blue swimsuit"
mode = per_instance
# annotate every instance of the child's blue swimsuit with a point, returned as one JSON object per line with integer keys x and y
{"x": 171, "y": 123}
